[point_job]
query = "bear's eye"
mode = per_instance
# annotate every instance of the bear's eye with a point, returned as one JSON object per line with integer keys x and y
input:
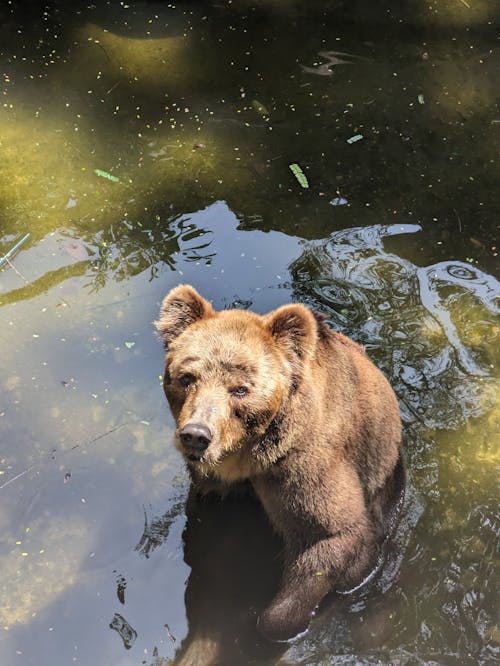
{"x": 187, "y": 379}
{"x": 239, "y": 391}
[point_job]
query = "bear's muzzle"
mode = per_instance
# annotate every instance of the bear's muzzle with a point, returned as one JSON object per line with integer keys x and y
{"x": 195, "y": 439}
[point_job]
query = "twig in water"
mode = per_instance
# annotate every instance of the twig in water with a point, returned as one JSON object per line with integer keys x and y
{"x": 104, "y": 434}
{"x": 11, "y": 265}
{"x": 76, "y": 446}
{"x": 459, "y": 220}
{"x": 112, "y": 88}
{"x": 13, "y": 250}
{"x": 96, "y": 41}
{"x": 18, "y": 476}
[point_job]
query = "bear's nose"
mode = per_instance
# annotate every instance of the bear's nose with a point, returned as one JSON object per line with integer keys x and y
{"x": 195, "y": 439}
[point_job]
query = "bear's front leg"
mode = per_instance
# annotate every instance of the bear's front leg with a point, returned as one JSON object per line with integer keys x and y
{"x": 292, "y": 609}
{"x": 307, "y": 579}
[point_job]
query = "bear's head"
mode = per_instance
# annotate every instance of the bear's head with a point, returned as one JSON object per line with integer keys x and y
{"x": 229, "y": 374}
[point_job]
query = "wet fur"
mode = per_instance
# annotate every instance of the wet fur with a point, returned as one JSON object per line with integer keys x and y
{"x": 318, "y": 437}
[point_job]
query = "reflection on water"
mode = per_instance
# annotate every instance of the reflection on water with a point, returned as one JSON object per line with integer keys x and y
{"x": 156, "y": 529}
{"x": 410, "y": 318}
{"x": 434, "y": 331}
{"x": 127, "y": 633}
{"x": 169, "y": 99}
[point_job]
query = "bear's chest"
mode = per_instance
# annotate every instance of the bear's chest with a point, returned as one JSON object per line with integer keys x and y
{"x": 235, "y": 467}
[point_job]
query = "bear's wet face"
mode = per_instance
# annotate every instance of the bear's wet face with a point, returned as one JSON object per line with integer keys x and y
{"x": 223, "y": 386}
{"x": 228, "y": 374}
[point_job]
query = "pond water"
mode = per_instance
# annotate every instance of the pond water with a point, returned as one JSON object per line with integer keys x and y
{"x": 148, "y": 144}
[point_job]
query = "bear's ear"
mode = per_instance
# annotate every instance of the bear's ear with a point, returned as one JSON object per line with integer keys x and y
{"x": 294, "y": 328}
{"x": 181, "y": 307}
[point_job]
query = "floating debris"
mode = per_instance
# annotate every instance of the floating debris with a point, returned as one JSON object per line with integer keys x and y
{"x": 421, "y": 99}
{"x": 299, "y": 175}
{"x": 13, "y": 250}
{"x": 356, "y": 137}
{"x": 128, "y": 634}
{"x": 338, "y": 201}
{"x": 105, "y": 174}
{"x": 121, "y": 586}
{"x": 260, "y": 108}
{"x": 169, "y": 633}
{"x": 332, "y": 60}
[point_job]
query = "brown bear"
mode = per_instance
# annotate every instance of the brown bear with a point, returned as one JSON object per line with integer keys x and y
{"x": 300, "y": 413}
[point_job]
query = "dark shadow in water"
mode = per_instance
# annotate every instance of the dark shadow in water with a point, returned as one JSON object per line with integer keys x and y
{"x": 156, "y": 529}
{"x": 236, "y": 566}
{"x": 126, "y": 632}
{"x": 235, "y": 570}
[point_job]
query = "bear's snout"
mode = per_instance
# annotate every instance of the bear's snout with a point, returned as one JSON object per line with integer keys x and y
{"x": 195, "y": 439}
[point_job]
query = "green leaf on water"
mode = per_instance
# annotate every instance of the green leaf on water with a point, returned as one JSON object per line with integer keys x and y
{"x": 260, "y": 108}
{"x": 129, "y": 345}
{"x": 421, "y": 99}
{"x": 356, "y": 137}
{"x": 105, "y": 174}
{"x": 299, "y": 175}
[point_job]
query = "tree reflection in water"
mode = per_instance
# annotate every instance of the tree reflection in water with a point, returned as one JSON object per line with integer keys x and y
{"x": 409, "y": 318}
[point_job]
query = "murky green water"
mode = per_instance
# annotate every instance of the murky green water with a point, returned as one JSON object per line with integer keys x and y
{"x": 197, "y": 110}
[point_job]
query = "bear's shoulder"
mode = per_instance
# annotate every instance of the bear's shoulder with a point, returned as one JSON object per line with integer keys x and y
{"x": 329, "y": 336}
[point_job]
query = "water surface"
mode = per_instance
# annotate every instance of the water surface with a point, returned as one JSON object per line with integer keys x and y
{"x": 196, "y": 110}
